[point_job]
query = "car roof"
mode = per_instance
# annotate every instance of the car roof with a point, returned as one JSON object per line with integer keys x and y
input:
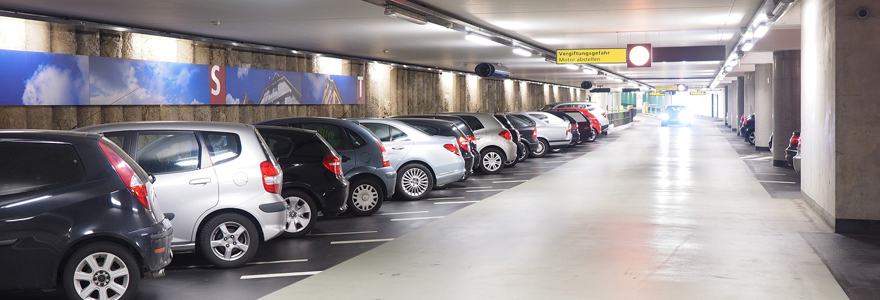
{"x": 427, "y": 121}
{"x": 47, "y": 135}
{"x": 306, "y": 119}
{"x": 285, "y": 130}
{"x": 169, "y": 125}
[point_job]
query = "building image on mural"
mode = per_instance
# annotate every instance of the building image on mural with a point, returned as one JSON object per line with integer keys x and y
{"x": 280, "y": 91}
{"x": 331, "y": 93}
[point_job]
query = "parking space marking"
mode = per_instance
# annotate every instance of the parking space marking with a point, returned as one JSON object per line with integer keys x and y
{"x": 477, "y": 179}
{"x": 789, "y": 182}
{"x": 402, "y": 213}
{"x": 457, "y": 202}
{"x": 276, "y": 275}
{"x": 509, "y": 181}
{"x": 278, "y": 262}
{"x": 470, "y": 188}
{"x": 416, "y": 219}
{"x": 444, "y": 198}
{"x": 360, "y": 241}
{"x": 342, "y": 233}
{"x": 477, "y": 191}
{"x": 555, "y": 162}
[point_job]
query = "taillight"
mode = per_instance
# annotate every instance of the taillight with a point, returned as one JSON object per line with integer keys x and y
{"x": 333, "y": 163}
{"x": 127, "y": 174}
{"x": 463, "y": 143}
{"x": 271, "y": 177}
{"x": 505, "y": 134}
{"x": 567, "y": 131}
{"x": 604, "y": 115}
{"x": 795, "y": 139}
{"x": 452, "y": 148}
{"x": 535, "y": 133}
{"x": 385, "y": 161}
{"x": 745, "y": 122}
{"x": 474, "y": 138}
{"x": 575, "y": 126}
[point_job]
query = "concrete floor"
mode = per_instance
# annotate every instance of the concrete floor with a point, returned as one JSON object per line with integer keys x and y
{"x": 662, "y": 213}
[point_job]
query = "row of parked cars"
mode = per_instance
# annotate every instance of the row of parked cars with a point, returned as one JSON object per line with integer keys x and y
{"x": 792, "y": 151}
{"x": 94, "y": 210}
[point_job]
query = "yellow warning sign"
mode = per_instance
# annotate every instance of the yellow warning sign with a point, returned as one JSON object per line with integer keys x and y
{"x": 698, "y": 93}
{"x": 656, "y": 94}
{"x": 590, "y": 56}
{"x": 666, "y": 88}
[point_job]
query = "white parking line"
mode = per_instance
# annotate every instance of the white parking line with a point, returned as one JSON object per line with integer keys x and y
{"x": 456, "y": 202}
{"x": 360, "y": 241}
{"x": 488, "y": 178}
{"x": 416, "y": 219}
{"x": 402, "y": 213}
{"x": 509, "y": 181}
{"x": 789, "y": 182}
{"x": 522, "y": 173}
{"x": 477, "y": 191}
{"x": 444, "y": 198}
{"x": 470, "y": 188}
{"x": 276, "y": 275}
{"x": 555, "y": 162}
{"x": 342, "y": 233}
{"x": 278, "y": 262}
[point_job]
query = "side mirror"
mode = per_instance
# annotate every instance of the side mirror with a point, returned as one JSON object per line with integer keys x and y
{"x": 169, "y": 216}
{"x": 345, "y": 158}
{"x": 152, "y": 178}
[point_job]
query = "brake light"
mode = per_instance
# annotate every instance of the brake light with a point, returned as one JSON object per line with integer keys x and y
{"x": 385, "y": 161}
{"x": 795, "y": 139}
{"x": 131, "y": 180}
{"x": 271, "y": 177}
{"x": 604, "y": 115}
{"x": 535, "y": 133}
{"x": 745, "y": 122}
{"x": 463, "y": 143}
{"x": 567, "y": 131}
{"x": 505, "y": 134}
{"x": 333, "y": 163}
{"x": 474, "y": 138}
{"x": 452, "y": 148}
{"x": 575, "y": 126}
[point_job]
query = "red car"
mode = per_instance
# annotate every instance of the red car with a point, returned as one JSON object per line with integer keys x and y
{"x": 597, "y": 127}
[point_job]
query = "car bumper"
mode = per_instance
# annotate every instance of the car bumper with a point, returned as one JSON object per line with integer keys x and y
{"x": 265, "y": 208}
{"x": 334, "y": 196}
{"x": 559, "y": 144}
{"x": 155, "y": 245}
{"x": 789, "y": 156}
{"x": 509, "y": 151}
{"x": 389, "y": 178}
{"x": 532, "y": 143}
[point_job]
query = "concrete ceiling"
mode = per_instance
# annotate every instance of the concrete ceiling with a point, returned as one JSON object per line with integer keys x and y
{"x": 360, "y": 29}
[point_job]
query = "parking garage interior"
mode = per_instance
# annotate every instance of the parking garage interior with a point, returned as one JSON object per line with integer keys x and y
{"x": 706, "y": 208}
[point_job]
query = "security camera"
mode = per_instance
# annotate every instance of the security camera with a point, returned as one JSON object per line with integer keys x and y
{"x": 862, "y": 13}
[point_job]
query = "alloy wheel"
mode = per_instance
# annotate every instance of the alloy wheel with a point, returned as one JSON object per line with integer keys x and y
{"x": 492, "y": 161}
{"x": 414, "y": 182}
{"x": 230, "y": 241}
{"x": 101, "y": 275}
{"x": 299, "y": 214}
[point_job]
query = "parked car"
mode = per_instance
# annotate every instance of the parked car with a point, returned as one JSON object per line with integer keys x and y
{"x": 594, "y": 108}
{"x": 677, "y": 115}
{"x": 313, "y": 179}
{"x": 550, "y": 136}
{"x": 77, "y": 213}
{"x": 575, "y": 131}
{"x": 462, "y": 126}
{"x": 792, "y": 149}
{"x": 594, "y": 127}
{"x": 218, "y": 180}
{"x": 494, "y": 142}
{"x": 421, "y": 160}
{"x": 447, "y": 128}
{"x": 747, "y": 130}
{"x": 365, "y": 161}
{"x": 515, "y": 137}
{"x": 528, "y": 135}
{"x": 796, "y": 160}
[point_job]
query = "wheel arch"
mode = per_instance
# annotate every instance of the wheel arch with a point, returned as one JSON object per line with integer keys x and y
{"x": 229, "y": 210}
{"x": 318, "y": 203}
{"x": 420, "y": 162}
{"x": 125, "y": 243}
{"x": 369, "y": 176}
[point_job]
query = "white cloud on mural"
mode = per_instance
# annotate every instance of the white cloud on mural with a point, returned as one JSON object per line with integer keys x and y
{"x": 117, "y": 81}
{"x": 243, "y": 71}
{"x": 232, "y": 100}
{"x": 50, "y": 85}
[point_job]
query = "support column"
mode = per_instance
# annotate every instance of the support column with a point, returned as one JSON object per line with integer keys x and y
{"x": 740, "y": 101}
{"x": 749, "y": 94}
{"x": 732, "y": 118}
{"x": 786, "y": 101}
{"x": 764, "y": 107}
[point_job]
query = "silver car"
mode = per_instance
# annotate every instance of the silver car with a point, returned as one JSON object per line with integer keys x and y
{"x": 494, "y": 142}
{"x": 218, "y": 180}
{"x": 422, "y": 161}
{"x": 553, "y": 132}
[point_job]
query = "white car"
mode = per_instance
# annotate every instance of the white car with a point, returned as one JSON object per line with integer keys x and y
{"x": 593, "y": 107}
{"x": 553, "y": 132}
{"x": 217, "y": 182}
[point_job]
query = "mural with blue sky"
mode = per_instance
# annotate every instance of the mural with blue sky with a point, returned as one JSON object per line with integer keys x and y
{"x": 253, "y": 82}
{"x": 116, "y": 81}
{"x": 35, "y": 78}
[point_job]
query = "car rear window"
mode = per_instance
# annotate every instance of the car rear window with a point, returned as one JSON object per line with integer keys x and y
{"x": 473, "y": 122}
{"x": 332, "y": 133}
{"x": 223, "y": 146}
{"x": 579, "y": 117}
{"x": 382, "y": 131}
{"x": 32, "y": 166}
{"x": 426, "y": 129}
{"x": 504, "y": 122}
{"x": 523, "y": 120}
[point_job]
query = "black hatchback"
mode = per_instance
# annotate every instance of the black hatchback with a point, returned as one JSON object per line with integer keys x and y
{"x": 446, "y": 128}
{"x": 78, "y": 214}
{"x": 313, "y": 178}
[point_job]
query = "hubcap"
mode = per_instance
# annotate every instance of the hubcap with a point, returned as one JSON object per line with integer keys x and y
{"x": 365, "y": 197}
{"x": 492, "y": 161}
{"x": 299, "y": 214}
{"x": 230, "y": 241}
{"x": 101, "y": 276}
{"x": 540, "y": 149}
{"x": 414, "y": 182}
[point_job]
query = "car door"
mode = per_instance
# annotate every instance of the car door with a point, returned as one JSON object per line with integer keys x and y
{"x": 336, "y": 137}
{"x": 396, "y": 142}
{"x": 186, "y": 184}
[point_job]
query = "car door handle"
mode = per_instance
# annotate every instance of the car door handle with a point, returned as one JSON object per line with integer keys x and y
{"x": 397, "y": 148}
{"x": 200, "y": 181}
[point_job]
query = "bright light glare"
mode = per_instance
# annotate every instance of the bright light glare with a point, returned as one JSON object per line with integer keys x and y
{"x": 762, "y": 30}
{"x": 521, "y": 51}
{"x": 479, "y": 39}
{"x": 590, "y": 71}
{"x": 572, "y": 67}
{"x": 747, "y": 46}
{"x": 664, "y": 117}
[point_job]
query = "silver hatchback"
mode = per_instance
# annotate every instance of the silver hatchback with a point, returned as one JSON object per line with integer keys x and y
{"x": 494, "y": 142}
{"x": 422, "y": 161}
{"x": 217, "y": 182}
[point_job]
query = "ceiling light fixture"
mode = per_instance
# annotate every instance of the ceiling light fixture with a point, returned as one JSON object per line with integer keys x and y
{"x": 479, "y": 38}
{"x": 521, "y": 51}
{"x": 761, "y": 30}
{"x": 572, "y": 67}
{"x": 399, "y": 13}
{"x": 747, "y": 46}
{"x": 590, "y": 71}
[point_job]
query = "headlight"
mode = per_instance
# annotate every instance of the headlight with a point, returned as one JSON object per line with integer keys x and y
{"x": 664, "y": 117}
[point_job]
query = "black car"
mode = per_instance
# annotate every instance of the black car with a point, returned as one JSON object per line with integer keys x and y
{"x": 675, "y": 114}
{"x": 313, "y": 178}
{"x": 747, "y": 130}
{"x": 446, "y": 128}
{"x": 528, "y": 133}
{"x": 78, "y": 214}
{"x": 459, "y": 122}
{"x": 577, "y": 127}
{"x": 515, "y": 136}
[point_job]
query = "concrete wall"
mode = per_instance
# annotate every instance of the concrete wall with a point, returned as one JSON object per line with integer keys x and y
{"x": 764, "y": 106}
{"x": 389, "y": 90}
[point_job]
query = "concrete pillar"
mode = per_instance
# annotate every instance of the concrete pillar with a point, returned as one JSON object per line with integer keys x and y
{"x": 786, "y": 101}
{"x": 749, "y": 94}
{"x": 763, "y": 106}
{"x": 740, "y": 100}
{"x": 732, "y": 104}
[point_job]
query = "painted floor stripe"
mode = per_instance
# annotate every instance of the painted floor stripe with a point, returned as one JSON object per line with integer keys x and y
{"x": 532, "y": 173}
{"x": 555, "y": 162}
{"x": 509, "y": 181}
{"x": 444, "y": 198}
{"x": 278, "y": 262}
{"x": 456, "y": 202}
{"x": 360, "y": 241}
{"x": 478, "y": 191}
{"x": 470, "y": 188}
{"x": 789, "y": 182}
{"x": 480, "y": 179}
{"x": 416, "y": 219}
{"x": 276, "y": 275}
{"x": 342, "y": 233}
{"x": 402, "y": 213}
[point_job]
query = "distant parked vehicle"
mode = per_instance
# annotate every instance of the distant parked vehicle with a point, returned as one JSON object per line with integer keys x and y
{"x": 515, "y": 137}
{"x": 462, "y": 126}
{"x": 77, "y": 213}
{"x": 594, "y": 108}
{"x": 574, "y": 127}
{"x": 528, "y": 135}
{"x": 553, "y": 132}
{"x": 365, "y": 161}
{"x": 447, "y": 128}
{"x": 421, "y": 160}
{"x": 676, "y": 115}
{"x": 494, "y": 142}
{"x": 796, "y": 160}
{"x": 590, "y": 132}
{"x": 792, "y": 149}
{"x": 219, "y": 181}
{"x": 747, "y": 130}
{"x": 313, "y": 178}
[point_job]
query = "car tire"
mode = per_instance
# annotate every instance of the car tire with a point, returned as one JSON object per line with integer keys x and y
{"x": 100, "y": 279}
{"x": 228, "y": 240}
{"x": 751, "y": 138}
{"x": 414, "y": 182}
{"x": 491, "y": 161}
{"x": 523, "y": 154}
{"x": 302, "y": 213}
{"x": 541, "y": 150}
{"x": 370, "y": 196}
{"x": 594, "y": 134}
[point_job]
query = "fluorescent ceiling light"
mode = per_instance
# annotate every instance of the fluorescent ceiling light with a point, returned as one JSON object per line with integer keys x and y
{"x": 748, "y": 34}
{"x": 747, "y": 46}
{"x": 728, "y": 69}
{"x": 590, "y": 71}
{"x": 479, "y": 38}
{"x": 572, "y": 67}
{"x": 761, "y": 30}
{"x": 618, "y": 79}
{"x": 521, "y": 51}
{"x": 399, "y": 13}
{"x": 609, "y": 77}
